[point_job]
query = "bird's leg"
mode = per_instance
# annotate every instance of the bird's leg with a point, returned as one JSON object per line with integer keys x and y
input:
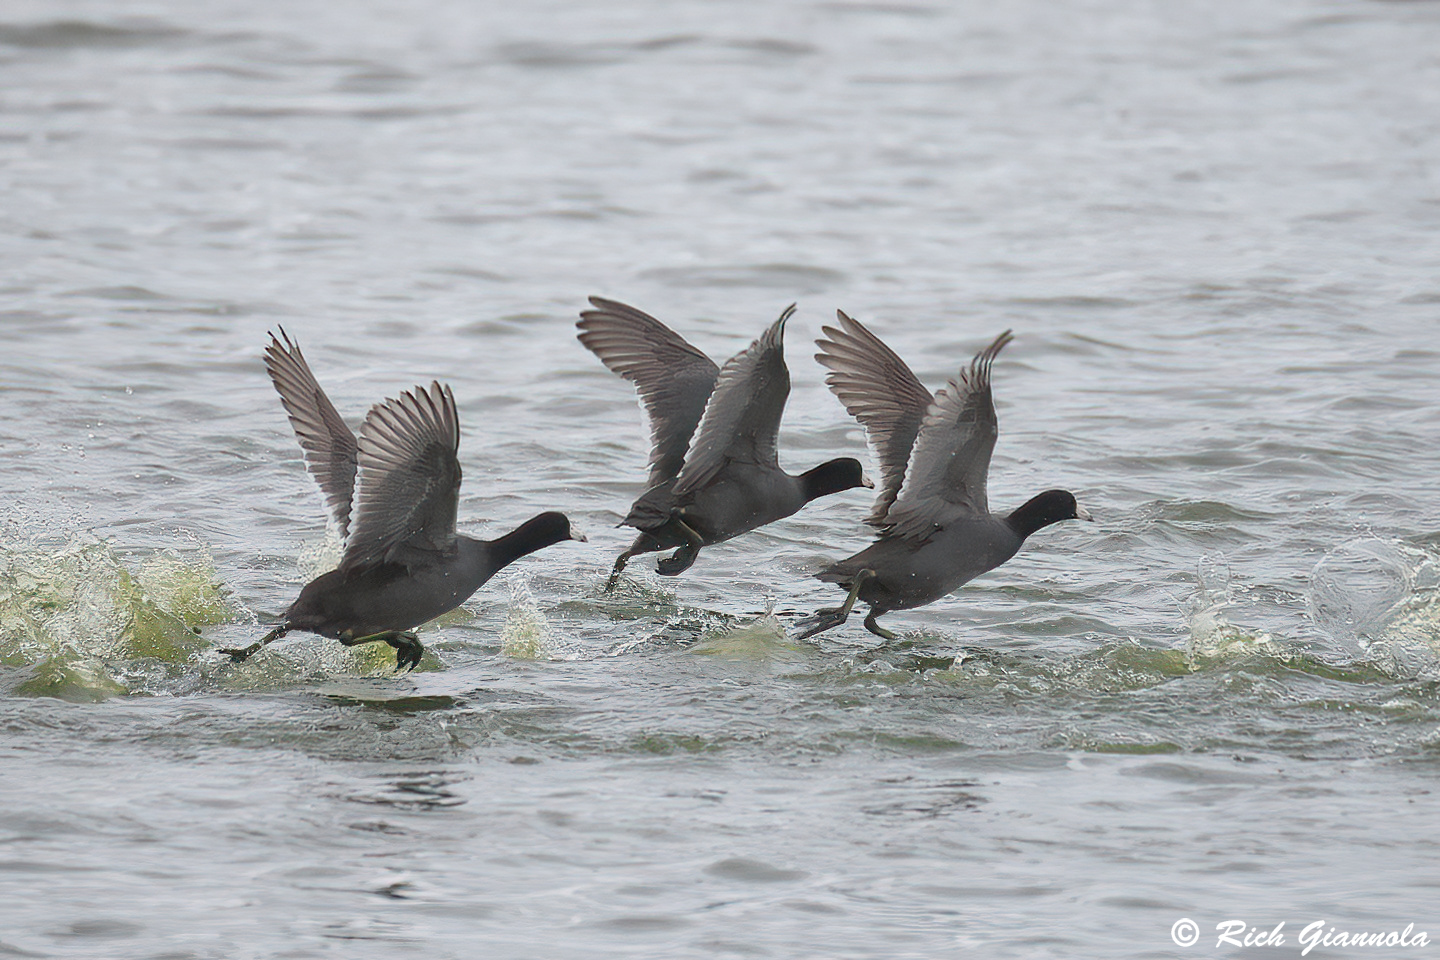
{"x": 680, "y": 561}
{"x": 878, "y": 630}
{"x": 242, "y": 654}
{"x": 407, "y": 646}
{"x": 831, "y": 617}
{"x": 620, "y": 562}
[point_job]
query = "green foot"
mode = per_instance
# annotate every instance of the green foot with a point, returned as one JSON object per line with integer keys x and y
{"x": 408, "y": 650}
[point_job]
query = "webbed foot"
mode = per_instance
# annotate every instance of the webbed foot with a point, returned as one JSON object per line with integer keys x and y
{"x": 831, "y": 617}
{"x": 408, "y": 650}
{"x": 820, "y": 621}
{"x": 240, "y": 654}
{"x": 678, "y": 562}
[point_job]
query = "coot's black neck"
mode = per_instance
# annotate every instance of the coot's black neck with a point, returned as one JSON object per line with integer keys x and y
{"x": 534, "y": 534}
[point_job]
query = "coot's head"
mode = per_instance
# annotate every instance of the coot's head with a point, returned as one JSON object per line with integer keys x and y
{"x": 550, "y": 527}
{"x": 832, "y": 476}
{"x": 1046, "y": 508}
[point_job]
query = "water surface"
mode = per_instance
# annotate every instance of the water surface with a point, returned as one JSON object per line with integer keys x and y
{"x": 1213, "y": 231}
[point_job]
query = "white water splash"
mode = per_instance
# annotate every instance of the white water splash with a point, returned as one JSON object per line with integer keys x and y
{"x": 1380, "y": 599}
{"x": 1212, "y": 634}
{"x": 321, "y": 556}
{"x": 82, "y": 619}
{"x": 528, "y": 634}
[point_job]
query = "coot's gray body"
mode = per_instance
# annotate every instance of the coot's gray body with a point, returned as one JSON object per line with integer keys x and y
{"x": 395, "y": 597}
{"x": 745, "y": 496}
{"x": 911, "y": 575}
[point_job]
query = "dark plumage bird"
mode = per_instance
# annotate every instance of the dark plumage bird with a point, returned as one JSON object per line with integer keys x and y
{"x": 937, "y": 531}
{"x": 727, "y": 479}
{"x": 404, "y": 564}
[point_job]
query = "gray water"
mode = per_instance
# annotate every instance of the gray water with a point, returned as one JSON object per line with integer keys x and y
{"x": 1215, "y": 230}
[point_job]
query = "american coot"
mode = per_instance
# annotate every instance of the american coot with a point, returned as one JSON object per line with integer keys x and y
{"x": 404, "y": 564}
{"x": 934, "y": 454}
{"x": 728, "y": 481}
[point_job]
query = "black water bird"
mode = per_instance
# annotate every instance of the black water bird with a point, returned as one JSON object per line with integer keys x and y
{"x": 404, "y": 564}
{"x": 937, "y": 531}
{"x": 727, "y": 479}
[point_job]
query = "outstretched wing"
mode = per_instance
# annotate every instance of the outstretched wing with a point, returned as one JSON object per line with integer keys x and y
{"x": 673, "y": 378}
{"x": 951, "y": 460}
{"x": 742, "y": 419}
{"x": 409, "y": 480}
{"x": 329, "y": 446}
{"x": 881, "y": 392}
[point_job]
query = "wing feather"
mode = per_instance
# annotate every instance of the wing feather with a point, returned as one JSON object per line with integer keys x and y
{"x": 742, "y": 419}
{"x": 329, "y": 446}
{"x": 409, "y": 480}
{"x": 877, "y": 388}
{"x": 950, "y": 462}
{"x": 673, "y": 378}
